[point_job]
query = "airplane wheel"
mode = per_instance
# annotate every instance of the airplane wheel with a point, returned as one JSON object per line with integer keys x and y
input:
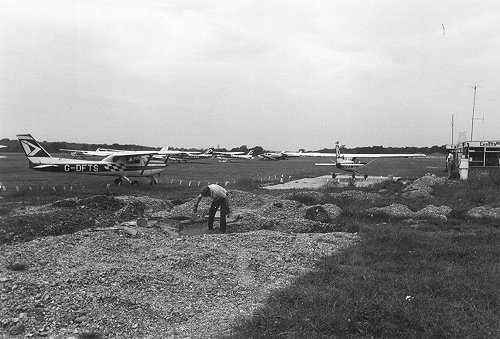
{"x": 118, "y": 181}
{"x": 333, "y": 175}
{"x": 135, "y": 183}
{"x": 153, "y": 182}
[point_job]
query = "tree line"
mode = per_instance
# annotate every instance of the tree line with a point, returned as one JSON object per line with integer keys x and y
{"x": 55, "y": 146}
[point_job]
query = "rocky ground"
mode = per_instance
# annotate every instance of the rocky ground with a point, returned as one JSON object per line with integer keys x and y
{"x": 113, "y": 278}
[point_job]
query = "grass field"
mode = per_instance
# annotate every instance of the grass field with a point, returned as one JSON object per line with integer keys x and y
{"x": 14, "y": 172}
{"x": 420, "y": 279}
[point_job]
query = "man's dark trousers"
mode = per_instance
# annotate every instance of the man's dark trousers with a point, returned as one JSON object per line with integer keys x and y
{"x": 220, "y": 202}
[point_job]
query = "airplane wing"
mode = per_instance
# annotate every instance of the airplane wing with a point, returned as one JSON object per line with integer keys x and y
{"x": 368, "y": 155}
{"x": 229, "y": 153}
{"x": 318, "y": 155}
{"x": 388, "y": 155}
{"x": 96, "y": 153}
{"x": 129, "y": 153}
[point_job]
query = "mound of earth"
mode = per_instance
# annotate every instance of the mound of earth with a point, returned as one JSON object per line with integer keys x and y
{"x": 357, "y": 195}
{"x": 258, "y": 212}
{"x": 399, "y": 211}
{"x": 71, "y": 215}
{"x": 484, "y": 212}
{"x": 422, "y": 187}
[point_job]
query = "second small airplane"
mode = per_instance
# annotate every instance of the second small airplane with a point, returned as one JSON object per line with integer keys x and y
{"x": 351, "y": 162}
{"x": 230, "y": 156}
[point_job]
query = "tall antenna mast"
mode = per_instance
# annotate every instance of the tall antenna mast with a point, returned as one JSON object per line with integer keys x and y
{"x": 452, "y": 118}
{"x": 473, "y": 108}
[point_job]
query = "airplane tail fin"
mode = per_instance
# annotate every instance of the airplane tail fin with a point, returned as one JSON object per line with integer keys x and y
{"x": 164, "y": 149}
{"x": 209, "y": 151}
{"x": 250, "y": 152}
{"x": 31, "y": 147}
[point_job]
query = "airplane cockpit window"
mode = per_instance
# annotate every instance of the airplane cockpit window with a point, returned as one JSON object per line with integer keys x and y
{"x": 134, "y": 160}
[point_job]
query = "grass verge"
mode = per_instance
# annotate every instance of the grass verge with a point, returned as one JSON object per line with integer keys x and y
{"x": 397, "y": 282}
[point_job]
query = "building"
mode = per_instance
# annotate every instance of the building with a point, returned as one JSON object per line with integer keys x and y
{"x": 476, "y": 158}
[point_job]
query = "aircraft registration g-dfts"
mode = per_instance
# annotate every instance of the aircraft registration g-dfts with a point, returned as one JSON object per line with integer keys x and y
{"x": 120, "y": 164}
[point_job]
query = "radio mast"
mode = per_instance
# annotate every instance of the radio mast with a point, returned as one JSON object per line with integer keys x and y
{"x": 473, "y": 108}
{"x": 452, "y": 118}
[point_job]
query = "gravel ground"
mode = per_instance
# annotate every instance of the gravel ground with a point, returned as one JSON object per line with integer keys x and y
{"x": 162, "y": 284}
{"x": 150, "y": 286}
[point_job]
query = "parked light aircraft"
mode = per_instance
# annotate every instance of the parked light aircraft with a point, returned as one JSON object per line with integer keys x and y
{"x": 351, "y": 162}
{"x": 230, "y": 157}
{"x": 2, "y": 146}
{"x": 184, "y": 156}
{"x": 293, "y": 154}
{"x": 273, "y": 156}
{"x": 120, "y": 164}
{"x": 228, "y": 153}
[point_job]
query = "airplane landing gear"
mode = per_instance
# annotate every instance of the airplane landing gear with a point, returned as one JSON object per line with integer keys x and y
{"x": 118, "y": 181}
{"x": 154, "y": 181}
{"x": 135, "y": 183}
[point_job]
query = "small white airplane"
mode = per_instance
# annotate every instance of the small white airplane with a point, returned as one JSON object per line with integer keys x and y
{"x": 185, "y": 156}
{"x": 120, "y": 164}
{"x": 229, "y": 157}
{"x": 2, "y": 146}
{"x": 351, "y": 162}
{"x": 300, "y": 153}
{"x": 228, "y": 153}
{"x": 273, "y": 156}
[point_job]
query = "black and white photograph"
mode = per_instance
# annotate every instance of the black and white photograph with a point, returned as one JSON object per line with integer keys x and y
{"x": 249, "y": 169}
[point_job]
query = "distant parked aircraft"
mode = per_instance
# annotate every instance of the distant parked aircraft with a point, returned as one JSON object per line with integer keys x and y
{"x": 229, "y": 157}
{"x": 351, "y": 162}
{"x": 184, "y": 156}
{"x": 293, "y": 154}
{"x": 120, "y": 164}
{"x": 273, "y": 156}
{"x": 2, "y": 146}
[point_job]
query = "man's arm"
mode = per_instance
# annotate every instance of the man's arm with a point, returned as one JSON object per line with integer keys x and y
{"x": 195, "y": 207}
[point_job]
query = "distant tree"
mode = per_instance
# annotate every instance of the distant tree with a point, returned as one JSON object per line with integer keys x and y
{"x": 258, "y": 150}
{"x": 242, "y": 148}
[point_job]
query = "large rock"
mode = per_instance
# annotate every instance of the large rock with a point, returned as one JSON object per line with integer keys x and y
{"x": 332, "y": 210}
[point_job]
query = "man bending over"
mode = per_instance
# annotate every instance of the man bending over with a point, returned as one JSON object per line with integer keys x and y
{"x": 219, "y": 199}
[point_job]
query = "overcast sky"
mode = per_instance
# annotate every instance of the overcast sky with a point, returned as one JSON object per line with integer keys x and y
{"x": 279, "y": 74}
